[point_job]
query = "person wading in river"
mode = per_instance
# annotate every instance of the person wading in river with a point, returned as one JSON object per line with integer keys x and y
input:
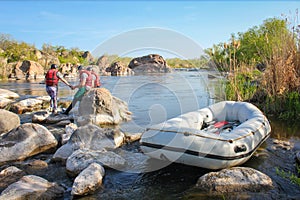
{"x": 85, "y": 84}
{"x": 51, "y": 80}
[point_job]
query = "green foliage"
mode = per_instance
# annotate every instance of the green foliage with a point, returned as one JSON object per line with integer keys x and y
{"x": 241, "y": 87}
{"x": 291, "y": 107}
{"x": 16, "y": 51}
{"x": 115, "y": 58}
{"x": 289, "y": 175}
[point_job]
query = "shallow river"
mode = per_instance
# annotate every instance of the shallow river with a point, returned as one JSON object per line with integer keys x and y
{"x": 153, "y": 99}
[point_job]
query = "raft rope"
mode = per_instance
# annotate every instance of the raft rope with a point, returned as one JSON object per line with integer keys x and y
{"x": 207, "y": 137}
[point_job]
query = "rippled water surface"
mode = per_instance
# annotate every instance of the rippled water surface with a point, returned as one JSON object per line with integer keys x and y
{"x": 153, "y": 99}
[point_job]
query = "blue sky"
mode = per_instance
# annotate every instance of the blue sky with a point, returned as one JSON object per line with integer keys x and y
{"x": 88, "y": 24}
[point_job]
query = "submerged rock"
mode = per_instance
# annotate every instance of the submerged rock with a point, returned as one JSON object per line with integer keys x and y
{"x": 8, "y": 121}
{"x": 236, "y": 179}
{"x": 27, "y": 140}
{"x": 89, "y": 180}
{"x": 32, "y": 187}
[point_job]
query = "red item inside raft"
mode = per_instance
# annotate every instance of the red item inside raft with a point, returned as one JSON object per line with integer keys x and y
{"x": 220, "y": 124}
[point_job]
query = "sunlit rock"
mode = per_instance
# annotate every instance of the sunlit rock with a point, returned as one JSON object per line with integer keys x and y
{"x": 10, "y": 175}
{"x": 98, "y": 106}
{"x": 89, "y": 180}
{"x": 8, "y": 121}
{"x": 5, "y": 102}
{"x": 80, "y": 159}
{"x": 119, "y": 69}
{"x": 45, "y": 117}
{"x": 69, "y": 130}
{"x": 29, "y": 70}
{"x": 90, "y": 137}
{"x": 32, "y": 187}
{"x": 151, "y": 63}
{"x": 27, "y": 140}
{"x": 236, "y": 179}
{"x": 8, "y": 94}
{"x": 30, "y": 104}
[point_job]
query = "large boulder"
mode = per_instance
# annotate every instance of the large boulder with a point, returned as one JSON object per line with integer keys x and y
{"x": 119, "y": 69}
{"x": 151, "y": 63}
{"x": 29, "y": 70}
{"x": 98, "y": 106}
{"x": 89, "y": 180}
{"x": 8, "y": 121}
{"x": 32, "y": 187}
{"x": 236, "y": 179}
{"x": 27, "y": 140}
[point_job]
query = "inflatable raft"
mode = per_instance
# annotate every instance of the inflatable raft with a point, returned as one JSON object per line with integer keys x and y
{"x": 221, "y": 135}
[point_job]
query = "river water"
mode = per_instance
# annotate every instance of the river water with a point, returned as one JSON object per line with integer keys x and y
{"x": 153, "y": 99}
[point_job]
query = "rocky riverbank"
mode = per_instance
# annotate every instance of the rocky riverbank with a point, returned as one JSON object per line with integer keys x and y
{"x": 59, "y": 157}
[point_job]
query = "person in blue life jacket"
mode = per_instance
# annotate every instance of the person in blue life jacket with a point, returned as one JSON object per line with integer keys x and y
{"x": 86, "y": 82}
{"x": 52, "y": 78}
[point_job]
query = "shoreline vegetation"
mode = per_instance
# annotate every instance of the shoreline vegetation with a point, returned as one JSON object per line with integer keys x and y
{"x": 261, "y": 65}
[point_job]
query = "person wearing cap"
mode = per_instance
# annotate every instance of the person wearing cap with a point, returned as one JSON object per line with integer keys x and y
{"x": 85, "y": 84}
{"x": 51, "y": 80}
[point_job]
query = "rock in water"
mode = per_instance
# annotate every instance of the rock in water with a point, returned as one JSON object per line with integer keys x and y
{"x": 119, "y": 69}
{"x": 90, "y": 137}
{"x": 98, "y": 106}
{"x": 32, "y": 187}
{"x": 80, "y": 159}
{"x": 89, "y": 180}
{"x": 151, "y": 63}
{"x": 236, "y": 179}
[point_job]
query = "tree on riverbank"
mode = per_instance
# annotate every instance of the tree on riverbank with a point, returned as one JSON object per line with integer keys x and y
{"x": 263, "y": 66}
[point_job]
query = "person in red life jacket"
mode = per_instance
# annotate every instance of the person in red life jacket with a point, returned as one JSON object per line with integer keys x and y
{"x": 85, "y": 84}
{"x": 95, "y": 77}
{"x": 51, "y": 80}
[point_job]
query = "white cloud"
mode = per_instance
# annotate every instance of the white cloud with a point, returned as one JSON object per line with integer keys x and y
{"x": 50, "y": 15}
